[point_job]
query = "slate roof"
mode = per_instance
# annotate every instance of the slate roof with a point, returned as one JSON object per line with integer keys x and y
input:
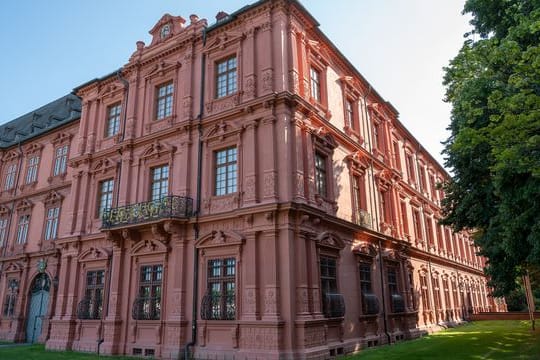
{"x": 48, "y": 117}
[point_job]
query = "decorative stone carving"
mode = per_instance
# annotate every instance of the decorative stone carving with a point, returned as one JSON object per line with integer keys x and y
{"x": 269, "y": 188}
{"x": 250, "y": 88}
{"x": 249, "y": 188}
{"x": 260, "y": 338}
{"x": 270, "y": 301}
{"x": 314, "y": 336}
{"x": 267, "y": 80}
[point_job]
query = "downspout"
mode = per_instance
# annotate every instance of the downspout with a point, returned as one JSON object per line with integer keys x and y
{"x": 116, "y": 200}
{"x": 385, "y": 315}
{"x": 196, "y": 229}
{"x": 371, "y": 185}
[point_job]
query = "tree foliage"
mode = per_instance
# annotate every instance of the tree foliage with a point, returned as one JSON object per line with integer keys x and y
{"x": 493, "y": 85}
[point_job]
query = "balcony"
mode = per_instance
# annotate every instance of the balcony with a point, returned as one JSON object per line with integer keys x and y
{"x": 168, "y": 207}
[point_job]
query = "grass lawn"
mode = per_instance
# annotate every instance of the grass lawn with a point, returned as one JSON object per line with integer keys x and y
{"x": 479, "y": 340}
{"x": 38, "y": 352}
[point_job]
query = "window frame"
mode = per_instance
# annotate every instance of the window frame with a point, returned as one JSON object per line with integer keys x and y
{"x": 32, "y": 167}
{"x": 152, "y": 310}
{"x": 321, "y": 173}
{"x": 51, "y": 222}
{"x": 99, "y": 199}
{"x": 226, "y": 308}
{"x": 114, "y": 118}
{"x": 163, "y": 182}
{"x": 95, "y": 303}
{"x": 10, "y": 177}
{"x": 227, "y": 188}
{"x": 61, "y": 153}
{"x": 166, "y": 109}
{"x": 4, "y": 230}
{"x": 23, "y": 227}
{"x": 228, "y": 74}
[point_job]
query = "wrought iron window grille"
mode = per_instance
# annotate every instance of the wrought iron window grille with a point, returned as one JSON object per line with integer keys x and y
{"x": 146, "y": 308}
{"x": 333, "y": 305}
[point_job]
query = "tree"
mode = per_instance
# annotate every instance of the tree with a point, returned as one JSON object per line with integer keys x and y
{"x": 493, "y": 152}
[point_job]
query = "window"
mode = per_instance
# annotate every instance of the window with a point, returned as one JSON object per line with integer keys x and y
{"x": 417, "y": 224}
{"x": 148, "y": 304}
{"x": 91, "y": 307}
{"x": 446, "y": 293}
{"x": 351, "y": 118}
{"x": 370, "y": 303}
{"x": 11, "y": 298}
{"x": 60, "y": 160}
{"x": 226, "y": 77}
{"x": 422, "y": 178}
{"x": 410, "y": 167}
{"x": 160, "y": 182}
{"x": 328, "y": 275}
{"x": 226, "y": 171}
{"x": 22, "y": 228}
{"x": 404, "y": 218}
{"x": 315, "y": 84}
{"x": 164, "y": 100}
{"x": 105, "y": 196}
{"x": 219, "y": 303}
{"x": 361, "y": 216}
{"x": 426, "y": 303}
{"x": 51, "y": 225}
{"x": 31, "y": 170}
{"x": 376, "y": 136}
{"x": 433, "y": 187}
{"x": 397, "y": 158}
{"x": 429, "y": 231}
{"x": 11, "y": 174}
{"x": 397, "y": 302}
{"x": 3, "y": 231}
{"x": 333, "y": 303}
{"x": 436, "y": 293}
{"x": 113, "y": 120}
{"x": 320, "y": 174}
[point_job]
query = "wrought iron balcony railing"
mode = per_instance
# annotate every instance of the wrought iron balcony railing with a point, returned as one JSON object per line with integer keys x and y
{"x": 333, "y": 305}
{"x": 171, "y": 206}
{"x": 89, "y": 309}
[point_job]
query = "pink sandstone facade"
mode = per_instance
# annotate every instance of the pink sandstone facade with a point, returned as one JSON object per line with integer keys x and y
{"x": 234, "y": 190}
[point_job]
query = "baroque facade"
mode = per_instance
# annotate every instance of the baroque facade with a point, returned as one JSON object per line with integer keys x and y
{"x": 237, "y": 189}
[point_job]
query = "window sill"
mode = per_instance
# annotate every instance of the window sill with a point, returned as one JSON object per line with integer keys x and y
{"x": 57, "y": 178}
{"x": 222, "y": 104}
{"x": 28, "y": 186}
{"x": 222, "y": 203}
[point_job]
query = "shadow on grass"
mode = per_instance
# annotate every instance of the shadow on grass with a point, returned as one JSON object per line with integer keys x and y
{"x": 487, "y": 340}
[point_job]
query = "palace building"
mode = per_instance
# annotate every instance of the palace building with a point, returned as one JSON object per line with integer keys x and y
{"x": 235, "y": 189}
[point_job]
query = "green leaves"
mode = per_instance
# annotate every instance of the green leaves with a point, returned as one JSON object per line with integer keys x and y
{"x": 493, "y": 151}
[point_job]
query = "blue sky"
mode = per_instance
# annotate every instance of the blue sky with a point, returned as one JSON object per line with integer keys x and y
{"x": 50, "y": 47}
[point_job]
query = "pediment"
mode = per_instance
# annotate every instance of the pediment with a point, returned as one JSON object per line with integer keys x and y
{"x": 13, "y": 267}
{"x": 53, "y": 197}
{"x": 221, "y": 130}
{"x": 166, "y": 27}
{"x": 157, "y": 149}
{"x": 32, "y": 148}
{"x": 94, "y": 254}
{"x": 365, "y": 249}
{"x": 10, "y": 156}
{"x": 103, "y": 166}
{"x": 220, "y": 238}
{"x": 148, "y": 247}
{"x": 324, "y": 138}
{"x": 358, "y": 160}
{"x": 330, "y": 240}
{"x": 110, "y": 89}
{"x": 61, "y": 137}
{"x": 224, "y": 40}
{"x": 162, "y": 67}
{"x": 24, "y": 205}
{"x": 4, "y": 211}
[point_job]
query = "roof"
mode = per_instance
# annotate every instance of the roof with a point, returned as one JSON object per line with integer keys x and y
{"x": 48, "y": 117}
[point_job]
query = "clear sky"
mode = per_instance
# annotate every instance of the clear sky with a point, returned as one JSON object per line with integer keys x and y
{"x": 400, "y": 46}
